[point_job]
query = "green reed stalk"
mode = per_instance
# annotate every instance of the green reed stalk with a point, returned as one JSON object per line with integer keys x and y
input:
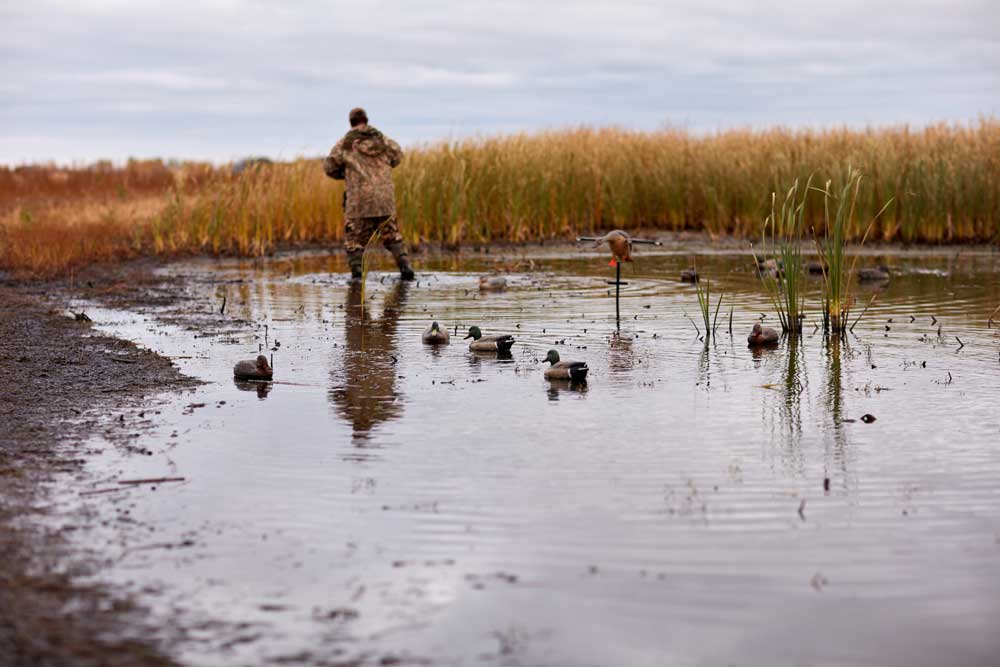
{"x": 837, "y": 276}
{"x": 704, "y": 292}
{"x": 782, "y": 270}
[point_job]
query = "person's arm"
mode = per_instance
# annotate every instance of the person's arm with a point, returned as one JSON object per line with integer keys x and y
{"x": 334, "y": 164}
{"x": 395, "y": 153}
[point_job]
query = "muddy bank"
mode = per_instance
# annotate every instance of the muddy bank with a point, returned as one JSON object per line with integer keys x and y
{"x": 63, "y": 383}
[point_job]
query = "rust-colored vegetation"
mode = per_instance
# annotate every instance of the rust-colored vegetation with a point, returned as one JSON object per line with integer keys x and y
{"x": 944, "y": 182}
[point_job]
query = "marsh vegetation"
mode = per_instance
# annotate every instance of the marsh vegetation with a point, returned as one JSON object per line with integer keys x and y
{"x": 943, "y": 180}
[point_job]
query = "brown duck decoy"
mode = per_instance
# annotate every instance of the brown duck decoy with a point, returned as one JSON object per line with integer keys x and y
{"x": 814, "y": 268}
{"x": 492, "y": 283}
{"x": 873, "y": 275}
{"x": 762, "y": 336}
{"x": 253, "y": 370}
{"x": 620, "y": 244}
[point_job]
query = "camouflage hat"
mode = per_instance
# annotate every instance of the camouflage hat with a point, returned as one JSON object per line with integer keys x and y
{"x": 357, "y": 116}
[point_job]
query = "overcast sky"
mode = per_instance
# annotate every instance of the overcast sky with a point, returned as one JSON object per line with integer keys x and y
{"x": 217, "y": 79}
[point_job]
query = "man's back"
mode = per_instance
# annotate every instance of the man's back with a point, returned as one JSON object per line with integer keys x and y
{"x": 364, "y": 158}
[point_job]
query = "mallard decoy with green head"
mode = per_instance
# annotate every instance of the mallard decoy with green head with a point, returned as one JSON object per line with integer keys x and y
{"x": 258, "y": 369}
{"x": 762, "y": 336}
{"x": 435, "y": 335}
{"x": 565, "y": 370}
{"x": 481, "y": 343}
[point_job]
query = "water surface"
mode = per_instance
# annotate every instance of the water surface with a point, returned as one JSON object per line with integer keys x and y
{"x": 692, "y": 504}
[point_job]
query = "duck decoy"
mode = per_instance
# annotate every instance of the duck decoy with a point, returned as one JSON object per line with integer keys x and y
{"x": 689, "y": 276}
{"x": 873, "y": 275}
{"x": 565, "y": 370}
{"x": 620, "y": 244}
{"x": 492, "y": 283}
{"x": 253, "y": 370}
{"x": 435, "y": 335}
{"x": 481, "y": 343}
{"x": 814, "y": 268}
{"x": 762, "y": 336}
{"x": 771, "y": 268}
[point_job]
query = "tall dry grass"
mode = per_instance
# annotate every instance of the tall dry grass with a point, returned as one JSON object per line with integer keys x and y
{"x": 944, "y": 181}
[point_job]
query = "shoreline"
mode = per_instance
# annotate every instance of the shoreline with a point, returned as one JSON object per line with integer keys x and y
{"x": 65, "y": 385}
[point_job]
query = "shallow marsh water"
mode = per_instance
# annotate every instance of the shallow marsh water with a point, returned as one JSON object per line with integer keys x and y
{"x": 385, "y": 500}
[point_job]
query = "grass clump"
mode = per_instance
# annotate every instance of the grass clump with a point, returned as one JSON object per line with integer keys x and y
{"x": 781, "y": 268}
{"x": 703, "y": 288}
{"x": 837, "y": 276}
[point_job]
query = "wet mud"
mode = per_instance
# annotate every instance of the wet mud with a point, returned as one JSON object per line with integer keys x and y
{"x": 63, "y": 385}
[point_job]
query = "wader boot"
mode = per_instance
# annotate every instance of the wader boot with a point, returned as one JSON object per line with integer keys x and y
{"x": 354, "y": 261}
{"x": 398, "y": 251}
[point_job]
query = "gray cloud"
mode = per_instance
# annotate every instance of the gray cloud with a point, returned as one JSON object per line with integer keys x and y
{"x": 220, "y": 79}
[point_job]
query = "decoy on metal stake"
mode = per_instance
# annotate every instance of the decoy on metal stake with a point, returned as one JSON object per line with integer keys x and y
{"x": 621, "y": 250}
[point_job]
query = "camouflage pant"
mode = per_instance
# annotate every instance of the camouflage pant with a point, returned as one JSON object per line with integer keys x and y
{"x": 357, "y": 232}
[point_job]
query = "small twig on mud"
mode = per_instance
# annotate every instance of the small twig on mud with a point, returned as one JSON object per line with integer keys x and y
{"x": 960, "y": 343}
{"x": 222, "y": 311}
{"x": 933, "y": 320}
{"x": 99, "y": 491}
{"x": 123, "y": 360}
{"x": 151, "y": 480}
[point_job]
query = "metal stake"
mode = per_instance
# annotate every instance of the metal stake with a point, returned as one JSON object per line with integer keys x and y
{"x": 618, "y": 276}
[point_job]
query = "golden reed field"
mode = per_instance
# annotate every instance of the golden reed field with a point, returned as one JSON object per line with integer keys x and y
{"x": 944, "y": 182}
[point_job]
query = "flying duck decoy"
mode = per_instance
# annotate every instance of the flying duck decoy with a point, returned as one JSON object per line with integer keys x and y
{"x": 435, "y": 335}
{"x": 565, "y": 370}
{"x": 620, "y": 244}
{"x": 481, "y": 343}
{"x": 253, "y": 370}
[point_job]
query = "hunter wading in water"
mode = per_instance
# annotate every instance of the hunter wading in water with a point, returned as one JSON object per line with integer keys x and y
{"x": 364, "y": 159}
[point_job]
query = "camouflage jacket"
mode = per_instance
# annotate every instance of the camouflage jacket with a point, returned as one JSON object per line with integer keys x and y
{"x": 364, "y": 158}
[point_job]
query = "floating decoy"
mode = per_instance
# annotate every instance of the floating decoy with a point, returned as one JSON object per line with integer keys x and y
{"x": 253, "y": 370}
{"x": 565, "y": 370}
{"x": 877, "y": 274}
{"x": 772, "y": 268}
{"x": 481, "y": 343}
{"x": 762, "y": 336}
{"x": 689, "y": 276}
{"x": 492, "y": 283}
{"x": 815, "y": 268}
{"x": 435, "y": 335}
{"x": 620, "y": 244}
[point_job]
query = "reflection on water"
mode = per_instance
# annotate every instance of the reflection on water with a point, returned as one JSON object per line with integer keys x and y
{"x": 363, "y": 385}
{"x": 691, "y": 504}
{"x": 261, "y": 388}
